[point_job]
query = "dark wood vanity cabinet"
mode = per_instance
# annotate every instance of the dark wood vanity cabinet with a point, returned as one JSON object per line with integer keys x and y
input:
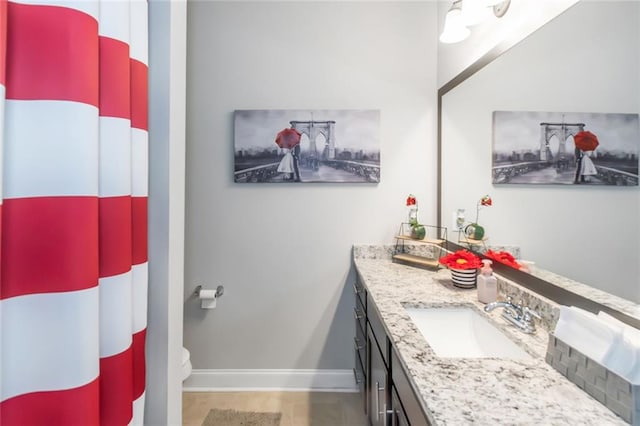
{"x": 360, "y": 341}
{"x": 388, "y": 397}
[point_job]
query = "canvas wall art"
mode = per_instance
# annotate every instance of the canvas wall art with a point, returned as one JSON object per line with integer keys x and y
{"x": 298, "y": 146}
{"x": 565, "y": 148}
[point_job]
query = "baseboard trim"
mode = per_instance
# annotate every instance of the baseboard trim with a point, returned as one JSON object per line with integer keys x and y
{"x": 270, "y": 380}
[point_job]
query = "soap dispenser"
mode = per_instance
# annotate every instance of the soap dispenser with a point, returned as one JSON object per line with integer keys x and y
{"x": 487, "y": 283}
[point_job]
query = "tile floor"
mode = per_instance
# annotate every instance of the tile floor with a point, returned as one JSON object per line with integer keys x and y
{"x": 297, "y": 408}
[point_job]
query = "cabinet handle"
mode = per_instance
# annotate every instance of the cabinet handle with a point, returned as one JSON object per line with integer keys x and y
{"x": 357, "y": 314}
{"x": 384, "y": 412}
{"x": 378, "y": 390}
{"x": 356, "y": 342}
{"x": 395, "y": 417}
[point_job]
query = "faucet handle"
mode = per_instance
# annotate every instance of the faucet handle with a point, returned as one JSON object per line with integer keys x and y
{"x": 517, "y": 304}
{"x": 528, "y": 313}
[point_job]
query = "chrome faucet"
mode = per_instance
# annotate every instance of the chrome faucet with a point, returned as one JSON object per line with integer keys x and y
{"x": 518, "y": 315}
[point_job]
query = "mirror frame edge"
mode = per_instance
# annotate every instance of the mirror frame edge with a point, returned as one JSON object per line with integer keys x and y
{"x": 466, "y": 73}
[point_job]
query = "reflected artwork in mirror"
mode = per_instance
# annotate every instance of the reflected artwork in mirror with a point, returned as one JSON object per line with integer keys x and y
{"x": 559, "y": 148}
{"x": 586, "y": 234}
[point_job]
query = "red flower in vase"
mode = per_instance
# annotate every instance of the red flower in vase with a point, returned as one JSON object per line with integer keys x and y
{"x": 411, "y": 200}
{"x": 461, "y": 259}
{"x": 486, "y": 201}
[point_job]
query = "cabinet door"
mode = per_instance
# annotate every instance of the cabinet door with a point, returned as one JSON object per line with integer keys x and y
{"x": 410, "y": 402}
{"x": 361, "y": 380}
{"x": 377, "y": 328}
{"x": 398, "y": 416}
{"x": 377, "y": 384}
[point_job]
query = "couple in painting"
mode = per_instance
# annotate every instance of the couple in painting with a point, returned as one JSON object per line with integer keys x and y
{"x": 584, "y": 166}
{"x": 585, "y": 143}
{"x": 289, "y": 165}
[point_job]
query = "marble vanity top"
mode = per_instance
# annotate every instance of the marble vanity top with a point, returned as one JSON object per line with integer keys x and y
{"x": 456, "y": 391}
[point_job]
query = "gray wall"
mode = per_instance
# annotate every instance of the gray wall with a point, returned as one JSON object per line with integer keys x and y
{"x": 283, "y": 251}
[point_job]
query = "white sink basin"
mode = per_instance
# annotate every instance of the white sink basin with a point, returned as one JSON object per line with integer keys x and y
{"x": 463, "y": 333}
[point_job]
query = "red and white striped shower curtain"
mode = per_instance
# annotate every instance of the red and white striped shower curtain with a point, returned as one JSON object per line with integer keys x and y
{"x": 73, "y": 258}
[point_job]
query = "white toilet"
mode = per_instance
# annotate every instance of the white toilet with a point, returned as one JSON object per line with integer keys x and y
{"x": 186, "y": 364}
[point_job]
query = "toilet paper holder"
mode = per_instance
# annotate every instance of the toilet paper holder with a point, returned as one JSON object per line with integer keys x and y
{"x": 219, "y": 291}
{"x": 208, "y": 298}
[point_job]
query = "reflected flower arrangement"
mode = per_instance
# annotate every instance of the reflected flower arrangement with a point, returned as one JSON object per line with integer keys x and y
{"x": 503, "y": 257}
{"x": 461, "y": 259}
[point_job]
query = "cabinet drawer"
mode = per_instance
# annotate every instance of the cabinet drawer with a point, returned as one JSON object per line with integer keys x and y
{"x": 360, "y": 343}
{"x": 410, "y": 403}
{"x": 361, "y": 294}
{"x": 378, "y": 330}
{"x": 360, "y": 316}
{"x": 362, "y": 305}
{"x": 361, "y": 381}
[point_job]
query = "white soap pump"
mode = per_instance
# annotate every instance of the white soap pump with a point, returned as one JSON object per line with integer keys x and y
{"x": 487, "y": 283}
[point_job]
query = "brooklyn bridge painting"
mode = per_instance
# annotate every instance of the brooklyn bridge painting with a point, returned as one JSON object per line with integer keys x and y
{"x": 565, "y": 148}
{"x": 291, "y": 146}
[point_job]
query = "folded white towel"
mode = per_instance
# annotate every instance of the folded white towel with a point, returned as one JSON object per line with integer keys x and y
{"x": 621, "y": 358}
{"x": 631, "y": 343}
{"x": 632, "y": 333}
{"x": 588, "y": 334}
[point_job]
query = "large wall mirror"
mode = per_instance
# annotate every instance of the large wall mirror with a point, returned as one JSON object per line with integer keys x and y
{"x": 586, "y": 60}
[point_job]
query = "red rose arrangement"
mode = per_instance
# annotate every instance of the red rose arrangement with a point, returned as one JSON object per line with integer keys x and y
{"x": 474, "y": 230}
{"x": 461, "y": 259}
{"x": 417, "y": 231}
{"x": 485, "y": 201}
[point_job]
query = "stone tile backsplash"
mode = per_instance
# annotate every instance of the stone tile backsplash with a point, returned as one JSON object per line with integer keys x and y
{"x": 548, "y": 310}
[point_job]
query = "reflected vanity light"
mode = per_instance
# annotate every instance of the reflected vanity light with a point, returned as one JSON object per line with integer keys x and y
{"x": 454, "y": 28}
{"x": 466, "y": 13}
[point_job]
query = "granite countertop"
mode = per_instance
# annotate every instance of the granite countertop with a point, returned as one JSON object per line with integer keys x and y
{"x": 457, "y": 391}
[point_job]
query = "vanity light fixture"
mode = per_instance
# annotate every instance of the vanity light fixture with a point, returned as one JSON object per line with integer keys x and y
{"x": 466, "y": 13}
{"x": 454, "y": 28}
{"x": 475, "y": 12}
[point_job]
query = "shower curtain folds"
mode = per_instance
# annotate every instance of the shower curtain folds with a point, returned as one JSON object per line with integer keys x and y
{"x": 73, "y": 212}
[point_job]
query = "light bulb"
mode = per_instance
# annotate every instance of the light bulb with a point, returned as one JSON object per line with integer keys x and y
{"x": 454, "y": 28}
